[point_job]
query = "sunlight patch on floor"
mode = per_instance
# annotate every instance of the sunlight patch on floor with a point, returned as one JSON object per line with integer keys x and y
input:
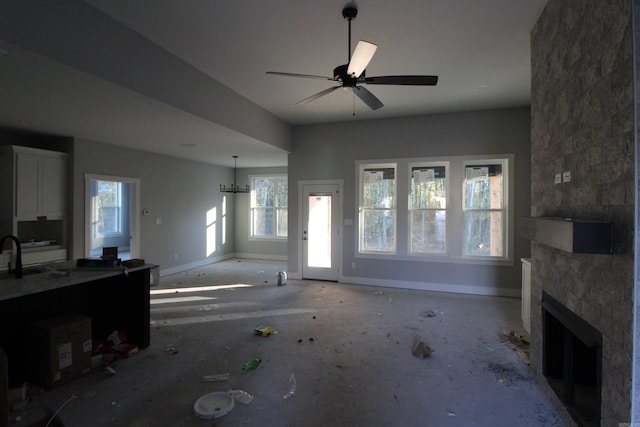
{"x": 202, "y": 307}
{"x": 197, "y": 289}
{"x": 237, "y": 316}
{"x": 179, "y": 299}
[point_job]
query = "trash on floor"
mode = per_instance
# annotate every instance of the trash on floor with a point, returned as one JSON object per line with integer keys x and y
{"x": 171, "y": 350}
{"x": 215, "y": 377}
{"x": 115, "y": 344}
{"x": 241, "y": 396}
{"x": 252, "y": 364}
{"x": 282, "y": 278}
{"x": 517, "y": 343}
{"x": 292, "y": 386}
{"x": 264, "y": 331}
{"x": 421, "y": 350}
{"x": 378, "y": 293}
{"x": 213, "y": 405}
{"x": 428, "y": 313}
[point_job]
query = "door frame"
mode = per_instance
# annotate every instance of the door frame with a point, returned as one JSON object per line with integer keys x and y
{"x": 337, "y": 243}
{"x": 134, "y": 207}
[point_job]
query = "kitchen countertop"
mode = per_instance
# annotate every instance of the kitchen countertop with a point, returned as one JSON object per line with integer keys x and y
{"x": 60, "y": 276}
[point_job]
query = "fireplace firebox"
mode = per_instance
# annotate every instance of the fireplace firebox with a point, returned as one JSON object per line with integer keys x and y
{"x": 572, "y": 360}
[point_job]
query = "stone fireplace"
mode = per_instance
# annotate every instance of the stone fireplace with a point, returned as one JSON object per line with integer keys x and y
{"x": 582, "y": 121}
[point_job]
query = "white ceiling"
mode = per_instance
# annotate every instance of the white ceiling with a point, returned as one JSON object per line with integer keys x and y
{"x": 478, "y": 48}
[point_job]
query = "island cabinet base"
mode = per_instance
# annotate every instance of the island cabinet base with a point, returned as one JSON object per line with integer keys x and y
{"x": 118, "y": 302}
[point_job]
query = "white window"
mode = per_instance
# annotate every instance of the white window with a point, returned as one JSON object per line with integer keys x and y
{"x": 484, "y": 206}
{"x": 377, "y": 208}
{"x": 428, "y": 208}
{"x": 107, "y": 210}
{"x": 269, "y": 201}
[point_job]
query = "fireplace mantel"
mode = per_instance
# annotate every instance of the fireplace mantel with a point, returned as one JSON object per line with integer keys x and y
{"x": 570, "y": 235}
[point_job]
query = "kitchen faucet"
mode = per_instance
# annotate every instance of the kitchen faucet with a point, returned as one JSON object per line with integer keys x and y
{"x": 18, "y": 269}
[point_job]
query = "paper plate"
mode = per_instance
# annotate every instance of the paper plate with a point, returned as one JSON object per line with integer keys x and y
{"x": 213, "y": 405}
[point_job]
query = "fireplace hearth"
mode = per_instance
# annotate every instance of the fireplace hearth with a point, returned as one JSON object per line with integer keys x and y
{"x": 572, "y": 360}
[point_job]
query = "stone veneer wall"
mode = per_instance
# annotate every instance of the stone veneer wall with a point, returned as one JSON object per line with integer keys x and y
{"x": 582, "y": 120}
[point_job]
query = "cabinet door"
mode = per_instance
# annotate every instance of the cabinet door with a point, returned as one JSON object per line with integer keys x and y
{"x": 27, "y": 195}
{"x": 52, "y": 173}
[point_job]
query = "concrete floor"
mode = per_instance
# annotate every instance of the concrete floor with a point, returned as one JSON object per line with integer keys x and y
{"x": 349, "y": 348}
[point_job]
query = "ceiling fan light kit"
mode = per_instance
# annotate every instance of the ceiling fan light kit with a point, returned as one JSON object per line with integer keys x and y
{"x": 352, "y": 75}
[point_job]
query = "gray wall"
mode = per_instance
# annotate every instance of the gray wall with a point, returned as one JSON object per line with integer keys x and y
{"x": 245, "y": 247}
{"x": 330, "y": 151}
{"x": 583, "y": 122}
{"x": 180, "y": 192}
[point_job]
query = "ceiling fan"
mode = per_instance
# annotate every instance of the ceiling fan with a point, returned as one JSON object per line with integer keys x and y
{"x": 352, "y": 75}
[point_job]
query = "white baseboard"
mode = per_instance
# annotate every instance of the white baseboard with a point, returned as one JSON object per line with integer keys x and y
{"x": 196, "y": 264}
{"x": 431, "y": 286}
{"x": 265, "y": 257}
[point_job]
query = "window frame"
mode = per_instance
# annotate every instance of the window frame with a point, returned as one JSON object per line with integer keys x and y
{"x": 410, "y": 172}
{"x": 506, "y": 220}
{"x": 118, "y": 206}
{"x": 275, "y": 208}
{"x": 362, "y": 167}
{"x": 454, "y": 211}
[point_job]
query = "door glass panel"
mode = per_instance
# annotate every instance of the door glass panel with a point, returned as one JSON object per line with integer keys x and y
{"x": 319, "y": 232}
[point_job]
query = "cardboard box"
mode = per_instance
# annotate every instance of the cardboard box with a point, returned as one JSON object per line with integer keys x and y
{"x": 61, "y": 349}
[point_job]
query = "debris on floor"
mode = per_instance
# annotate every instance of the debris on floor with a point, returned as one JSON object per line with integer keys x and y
{"x": 421, "y": 350}
{"x": 264, "y": 331}
{"x": 213, "y": 405}
{"x": 216, "y": 377}
{"x": 241, "y": 396}
{"x": 282, "y": 278}
{"x": 292, "y": 386}
{"x": 250, "y": 365}
{"x": 517, "y": 343}
{"x": 428, "y": 313}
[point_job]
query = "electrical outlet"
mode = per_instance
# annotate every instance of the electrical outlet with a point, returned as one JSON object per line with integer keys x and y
{"x": 353, "y": 265}
{"x": 558, "y": 178}
{"x": 566, "y": 176}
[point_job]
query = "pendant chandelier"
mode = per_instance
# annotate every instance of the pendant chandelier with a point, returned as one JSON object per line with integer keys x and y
{"x": 235, "y": 188}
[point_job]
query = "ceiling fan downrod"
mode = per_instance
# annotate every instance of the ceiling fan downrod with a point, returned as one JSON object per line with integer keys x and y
{"x": 349, "y": 13}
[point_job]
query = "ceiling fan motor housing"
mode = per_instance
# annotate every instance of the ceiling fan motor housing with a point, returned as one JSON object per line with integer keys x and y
{"x": 340, "y": 73}
{"x": 349, "y": 12}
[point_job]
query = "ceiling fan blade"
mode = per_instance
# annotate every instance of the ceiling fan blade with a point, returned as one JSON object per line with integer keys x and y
{"x": 402, "y": 80}
{"x": 304, "y": 76}
{"x": 317, "y": 95}
{"x": 368, "y": 98}
{"x": 361, "y": 58}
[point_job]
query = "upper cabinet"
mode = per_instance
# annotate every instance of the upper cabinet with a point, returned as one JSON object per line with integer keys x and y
{"x": 40, "y": 183}
{"x": 32, "y": 205}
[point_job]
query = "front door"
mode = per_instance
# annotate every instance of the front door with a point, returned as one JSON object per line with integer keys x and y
{"x": 320, "y": 231}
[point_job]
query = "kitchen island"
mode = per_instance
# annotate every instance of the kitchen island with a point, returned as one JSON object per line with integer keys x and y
{"x": 115, "y": 299}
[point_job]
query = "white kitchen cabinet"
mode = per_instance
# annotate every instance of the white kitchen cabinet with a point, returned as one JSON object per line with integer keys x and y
{"x": 40, "y": 184}
{"x": 33, "y": 202}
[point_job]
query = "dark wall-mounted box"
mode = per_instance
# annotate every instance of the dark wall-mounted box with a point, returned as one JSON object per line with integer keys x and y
{"x": 570, "y": 235}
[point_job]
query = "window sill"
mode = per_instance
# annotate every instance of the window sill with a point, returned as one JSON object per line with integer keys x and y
{"x": 439, "y": 259}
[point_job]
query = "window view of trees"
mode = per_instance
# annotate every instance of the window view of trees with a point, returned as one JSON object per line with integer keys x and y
{"x": 108, "y": 204}
{"x": 427, "y": 210}
{"x": 483, "y": 206}
{"x": 269, "y": 206}
{"x": 378, "y": 209}
{"x": 471, "y": 223}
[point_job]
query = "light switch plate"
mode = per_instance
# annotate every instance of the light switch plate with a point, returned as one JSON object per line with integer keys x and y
{"x": 558, "y": 178}
{"x": 566, "y": 176}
